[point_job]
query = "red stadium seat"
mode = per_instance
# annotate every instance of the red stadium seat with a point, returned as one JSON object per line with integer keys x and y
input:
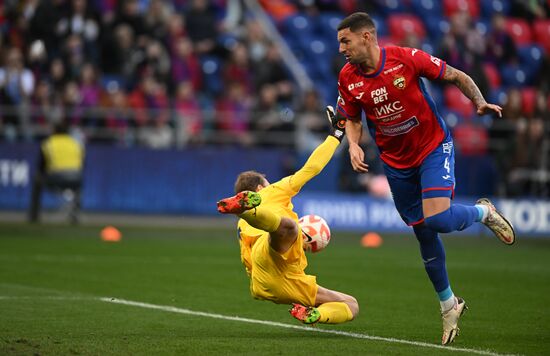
{"x": 492, "y": 74}
{"x": 528, "y": 100}
{"x": 400, "y": 25}
{"x": 541, "y": 34}
{"x": 519, "y": 30}
{"x": 451, "y": 7}
{"x": 455, "y": 100}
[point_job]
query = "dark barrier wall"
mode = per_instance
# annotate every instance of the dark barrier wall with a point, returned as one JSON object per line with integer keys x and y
{"x": 141, "y": 180}
{"x": 190, "y": 181}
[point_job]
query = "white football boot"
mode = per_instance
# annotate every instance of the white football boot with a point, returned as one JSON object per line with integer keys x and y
{"x": 450, "y": 320}
{"x": 498, "y": 224}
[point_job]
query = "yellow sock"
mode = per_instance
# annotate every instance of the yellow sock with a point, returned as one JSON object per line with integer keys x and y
{"x": 334, "y": 313}
{"x": 262, "y": 218}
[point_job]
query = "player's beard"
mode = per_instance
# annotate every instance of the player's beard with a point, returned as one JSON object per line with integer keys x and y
{"x": 356, "y": 59}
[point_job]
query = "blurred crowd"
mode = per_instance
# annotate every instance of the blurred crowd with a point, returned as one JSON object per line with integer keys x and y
{"x": 176, "y": 73}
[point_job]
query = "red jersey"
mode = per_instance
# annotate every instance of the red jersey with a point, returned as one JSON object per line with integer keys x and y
{"x": 401, "y": 115}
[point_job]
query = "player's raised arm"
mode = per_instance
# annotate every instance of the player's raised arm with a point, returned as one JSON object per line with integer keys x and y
{"x": 469, "y": 88}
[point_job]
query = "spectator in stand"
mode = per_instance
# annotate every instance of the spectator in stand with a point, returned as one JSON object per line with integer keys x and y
{"x": 44, "y": 110}
{"x": 149, "y": 102}
{"x": 82, "y": 23}
{"x": 157, "y": 61}
{"x": 463, "y": 48}
{"x": 531, "y": 148}
{"x": 272, "y": 71}
{"x": 503, "y": 135}
{"x": 271, "y": 125}
{"x": 175, "y": 30}
{"x": 124, "y": 56}
{"x": 71, "y": 103}
{"x": 234, "y": 17}
{"x": 500, "y": 46}
{"x": 42, "y": 25}
{"x": 90, "y": 92}
{"x": 128, "y": 14}
{"x": 189, "y": 118}
{"x": 202, "y": 27}
{"x": 185, "y": 64}
{"x": 528, "y": 159}
{"x": 73, "y": 52}
{"x": 310, "y": 122}
{"x": 57, "y": 75}
{"x": 233, "y": 115}
{"x": 256, "y": 41}
{"x": 157, "y": 18}
{"x": 16, "y": 88}
{"x": 118, "y": 116}
{"x": 238, "y": 69}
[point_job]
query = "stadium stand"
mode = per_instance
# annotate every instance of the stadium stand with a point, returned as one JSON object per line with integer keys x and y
{"x": 120, "y": 70}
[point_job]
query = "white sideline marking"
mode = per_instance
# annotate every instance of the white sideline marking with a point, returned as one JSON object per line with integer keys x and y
{"x": 45, "y": 297}
{"x": 171, "y": 309}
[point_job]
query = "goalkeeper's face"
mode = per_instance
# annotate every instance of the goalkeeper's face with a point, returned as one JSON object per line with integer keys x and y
{"x": 354, "y": 45}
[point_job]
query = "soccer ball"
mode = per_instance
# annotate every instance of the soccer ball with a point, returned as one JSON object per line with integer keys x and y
{"x": 315, "y": 232}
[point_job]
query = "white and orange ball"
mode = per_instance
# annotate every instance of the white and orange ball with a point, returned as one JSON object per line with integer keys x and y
{"x": 315, "y": 232}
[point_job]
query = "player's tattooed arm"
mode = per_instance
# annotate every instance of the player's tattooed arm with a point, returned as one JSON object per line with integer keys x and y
{"x": 469, "y": 88}
{"x": 465, "y": 83}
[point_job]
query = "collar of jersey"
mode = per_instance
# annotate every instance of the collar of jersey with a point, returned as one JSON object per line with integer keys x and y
{"x": 380, "y": 65}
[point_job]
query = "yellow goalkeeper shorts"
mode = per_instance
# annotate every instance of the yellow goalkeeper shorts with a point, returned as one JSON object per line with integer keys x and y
{"x": 280, "y": 278}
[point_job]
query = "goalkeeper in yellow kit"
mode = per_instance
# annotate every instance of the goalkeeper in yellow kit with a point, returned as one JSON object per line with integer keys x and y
{"x": 271, "y": 239}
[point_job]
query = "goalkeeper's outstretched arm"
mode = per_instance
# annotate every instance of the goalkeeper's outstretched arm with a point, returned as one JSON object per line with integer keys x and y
{"x": 320, "y": 157}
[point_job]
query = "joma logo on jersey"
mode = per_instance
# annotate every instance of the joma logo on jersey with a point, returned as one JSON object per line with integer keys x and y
{"x": 388, "y": 109}
{"x": 435, "y": 60}
{"x": 340, "y": 100}
{"x": 399, "y": 82}
{"x": 355, "y": 85}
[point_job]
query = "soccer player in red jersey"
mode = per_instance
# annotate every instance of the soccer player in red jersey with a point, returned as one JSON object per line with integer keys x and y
{"x": 415, "y": 144}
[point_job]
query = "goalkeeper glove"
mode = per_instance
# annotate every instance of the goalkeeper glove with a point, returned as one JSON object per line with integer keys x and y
{"x": 337, "y": 122}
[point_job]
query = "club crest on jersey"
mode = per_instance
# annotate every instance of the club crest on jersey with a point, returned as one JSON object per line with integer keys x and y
{"x": 399, "y": 82}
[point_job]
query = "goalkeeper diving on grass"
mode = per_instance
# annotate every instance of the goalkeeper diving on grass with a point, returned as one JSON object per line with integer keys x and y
{"x": 271, "y": 239}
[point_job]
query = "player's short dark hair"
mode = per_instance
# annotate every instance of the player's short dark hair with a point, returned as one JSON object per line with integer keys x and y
{"x": 357, "y": 21}
{"x": 249, "y": 180}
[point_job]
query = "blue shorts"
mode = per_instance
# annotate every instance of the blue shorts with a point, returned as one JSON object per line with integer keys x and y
{"x": 434, "y": 178}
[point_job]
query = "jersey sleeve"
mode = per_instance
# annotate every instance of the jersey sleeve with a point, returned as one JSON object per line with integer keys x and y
{"x": 426, "y": 65}
{"x": 347, "y": 105}
{"x": 318, "y": 159}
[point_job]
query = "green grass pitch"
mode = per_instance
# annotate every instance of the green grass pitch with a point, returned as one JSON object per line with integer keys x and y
{"x": 51, "y": 279}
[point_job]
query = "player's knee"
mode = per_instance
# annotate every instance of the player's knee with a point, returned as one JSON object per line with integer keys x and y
{"x": 288, "y": 228}
{"x": 441, "y": 222}
{"x": 353, "y": 306}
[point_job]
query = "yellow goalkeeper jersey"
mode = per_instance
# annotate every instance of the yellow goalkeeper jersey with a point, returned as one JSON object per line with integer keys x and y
{"x": 278, "y": 197}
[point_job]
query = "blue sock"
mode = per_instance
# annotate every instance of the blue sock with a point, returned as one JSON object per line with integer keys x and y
{"x": 457, "y": 217}
{"x": 433, "y": 255}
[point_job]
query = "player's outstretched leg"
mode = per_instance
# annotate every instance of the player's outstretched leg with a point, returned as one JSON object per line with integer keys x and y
{"x": 239, "y": 203}
{"x": 450, "y": 320}
{"x": 307, "y": 315}
{"x": 498, "y": 224}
